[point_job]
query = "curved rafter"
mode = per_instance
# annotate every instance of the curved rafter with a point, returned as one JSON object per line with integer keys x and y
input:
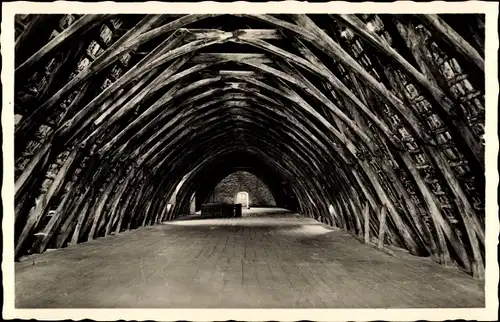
{"x": 309, "y": 98}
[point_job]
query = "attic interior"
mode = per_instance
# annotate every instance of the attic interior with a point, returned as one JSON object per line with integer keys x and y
{"x": 369, "y": 123}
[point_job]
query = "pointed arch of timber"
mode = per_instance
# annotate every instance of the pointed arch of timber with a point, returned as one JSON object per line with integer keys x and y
{"x": 348, "y": 118}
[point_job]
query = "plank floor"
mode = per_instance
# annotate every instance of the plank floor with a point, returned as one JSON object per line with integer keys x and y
{"x": 266, "y": 259}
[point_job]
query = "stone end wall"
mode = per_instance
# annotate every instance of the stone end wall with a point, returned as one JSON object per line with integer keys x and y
{"x": 226, "y": 191}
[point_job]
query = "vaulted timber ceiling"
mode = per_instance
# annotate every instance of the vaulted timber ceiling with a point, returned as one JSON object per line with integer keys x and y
{"x": 348, "y": 114}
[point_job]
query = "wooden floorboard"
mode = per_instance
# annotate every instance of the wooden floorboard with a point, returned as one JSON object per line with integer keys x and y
{"x": 263, "y": 260}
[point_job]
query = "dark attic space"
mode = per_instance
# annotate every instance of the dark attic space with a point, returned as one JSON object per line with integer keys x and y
{"x": 249, "y": 160}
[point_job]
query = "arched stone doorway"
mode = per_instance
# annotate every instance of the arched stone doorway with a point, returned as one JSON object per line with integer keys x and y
{"x": 242, "y": 198}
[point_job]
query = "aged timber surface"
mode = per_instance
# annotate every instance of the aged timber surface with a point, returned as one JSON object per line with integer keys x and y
{"x": 264, "y": 259}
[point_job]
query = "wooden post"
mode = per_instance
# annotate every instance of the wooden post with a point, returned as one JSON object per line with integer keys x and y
{"x": 366, "y": 216}
{"x": 81, "y": 218}
{"x": 70, "y": 221}
{"x": 38, "y": 210}
{"x": 358, "y": 225}
{"x": 53, "y": 224}
{"x": 381, "y": 231}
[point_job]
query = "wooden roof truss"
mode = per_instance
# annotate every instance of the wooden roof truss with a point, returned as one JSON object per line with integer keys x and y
{"x": 364, "y": 115}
